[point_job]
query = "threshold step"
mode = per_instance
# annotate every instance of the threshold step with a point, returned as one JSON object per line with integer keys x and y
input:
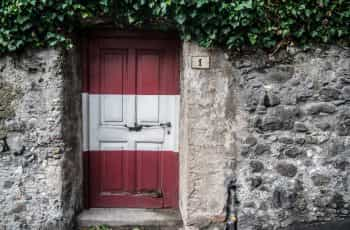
{"x": 130, "y": 218}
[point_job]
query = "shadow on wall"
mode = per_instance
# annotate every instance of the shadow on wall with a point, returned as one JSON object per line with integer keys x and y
{"x": 72, "y": 169}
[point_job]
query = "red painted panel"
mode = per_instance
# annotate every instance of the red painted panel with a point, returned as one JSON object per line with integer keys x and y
{"x": 144, "y": 67}
{"x": 170, "y": 180}
{"x": 113, "y": 177}
{"x": 108, "y": 70}
{"x": 113, "y": 71}
{"x": 148, "y": 171}
{"x": 130, "y": 171}
{"x": 158, "y": 177}
{"x": 148, "y": 72}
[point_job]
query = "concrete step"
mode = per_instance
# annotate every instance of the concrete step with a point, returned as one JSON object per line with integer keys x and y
{"x": 130, "y": 219}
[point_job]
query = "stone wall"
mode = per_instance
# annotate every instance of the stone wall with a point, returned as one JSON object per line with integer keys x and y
{"x": 40, "y": 176}
{"x": 277, "y": 126}
{"x": 207, "y": 137}
{"x": 294, "y": 160}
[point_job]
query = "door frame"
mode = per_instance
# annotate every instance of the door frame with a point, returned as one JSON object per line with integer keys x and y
{"x": 84, "y": 63}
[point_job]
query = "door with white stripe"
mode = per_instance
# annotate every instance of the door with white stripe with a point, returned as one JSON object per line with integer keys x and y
{"x": 125, "y": 121}
{"x": 132, "y": 106}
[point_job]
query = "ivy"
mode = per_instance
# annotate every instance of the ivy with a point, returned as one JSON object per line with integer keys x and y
{"x": 226, "y": 23}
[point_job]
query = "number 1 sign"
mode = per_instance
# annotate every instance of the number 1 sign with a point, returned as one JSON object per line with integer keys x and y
{"x": 200, "y": 62}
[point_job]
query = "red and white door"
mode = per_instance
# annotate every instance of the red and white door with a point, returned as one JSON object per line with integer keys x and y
{"x": 131, "y": 112}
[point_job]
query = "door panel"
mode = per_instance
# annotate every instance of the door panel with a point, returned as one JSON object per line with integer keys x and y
{"x": 112, "y": 165}
{"x": 113, "y": 67}
{"x": 113, "y": 110}
{"x": 148, "y": 71}
{"x": 147, "y": 111}
{"x": 132, "y": 105}
{"x": 148, "y": 172}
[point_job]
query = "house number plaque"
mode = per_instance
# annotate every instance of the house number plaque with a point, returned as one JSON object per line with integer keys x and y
{"x": 200, "y": 62}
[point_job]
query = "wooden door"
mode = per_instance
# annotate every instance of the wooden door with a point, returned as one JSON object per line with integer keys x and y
{"x": 131, "y": 115}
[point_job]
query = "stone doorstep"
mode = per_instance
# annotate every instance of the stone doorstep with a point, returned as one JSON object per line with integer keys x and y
{"x": 127, "y": 218}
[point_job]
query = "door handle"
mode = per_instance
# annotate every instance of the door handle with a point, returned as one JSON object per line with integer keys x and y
{"x": 138, "y": 127}
{"x": 165, "y": 125}
{"x": 135, "y": 128}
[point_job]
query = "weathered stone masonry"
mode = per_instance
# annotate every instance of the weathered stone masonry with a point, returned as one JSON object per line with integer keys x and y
{"x": 277, "y": 126}
{"x": 207, "y": 137}
{"x": 40, "y": 175}
{"x": 294, "y": 159}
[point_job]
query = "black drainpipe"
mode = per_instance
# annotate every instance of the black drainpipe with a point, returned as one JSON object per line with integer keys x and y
{"x": 231, "y": 207}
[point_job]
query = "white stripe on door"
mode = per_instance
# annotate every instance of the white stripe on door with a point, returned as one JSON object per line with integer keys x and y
{"x": 105, "y": 117}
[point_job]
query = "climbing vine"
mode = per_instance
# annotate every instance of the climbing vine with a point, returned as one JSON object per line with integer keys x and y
{"x": 226, "y": 23}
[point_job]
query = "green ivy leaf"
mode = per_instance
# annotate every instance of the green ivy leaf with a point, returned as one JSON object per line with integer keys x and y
{"x": 181, "y": 18}
{"x": 252, "y": 38}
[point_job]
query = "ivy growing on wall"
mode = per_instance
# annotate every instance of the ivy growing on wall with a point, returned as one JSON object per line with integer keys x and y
{"x": 226, "y": 23}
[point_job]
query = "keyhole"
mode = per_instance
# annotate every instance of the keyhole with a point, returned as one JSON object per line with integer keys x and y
{"x": 200, "y": 62}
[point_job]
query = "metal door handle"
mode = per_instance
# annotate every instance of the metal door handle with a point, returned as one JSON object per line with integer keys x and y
{"x": 167, "y": 124}
{"x": 138, "y": 127}
{"x": 163, "y": 125}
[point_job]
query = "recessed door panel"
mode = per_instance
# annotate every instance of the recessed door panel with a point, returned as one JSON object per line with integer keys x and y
{"x": 149, "y": 171}
{"x": 148, "y": 68}
{"x": 113, "y": 71}
{"x": 148, "y": 109}
{"x": 112, "y": 110}
{"x": 112, "y": 172}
